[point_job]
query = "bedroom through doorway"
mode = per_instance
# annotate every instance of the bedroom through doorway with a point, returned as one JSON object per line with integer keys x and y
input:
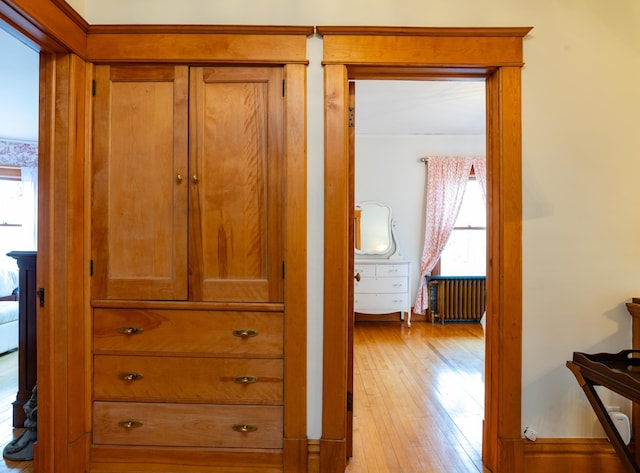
{"x": 398, "y": 122}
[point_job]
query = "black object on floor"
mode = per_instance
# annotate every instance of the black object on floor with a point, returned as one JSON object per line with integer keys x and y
{"x": 21, "y": 448}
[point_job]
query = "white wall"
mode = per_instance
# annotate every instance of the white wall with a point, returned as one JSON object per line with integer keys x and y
{"x": 18, "y": 90}
{"x": 581, "y": 110}
{"x": 388, "y": 170}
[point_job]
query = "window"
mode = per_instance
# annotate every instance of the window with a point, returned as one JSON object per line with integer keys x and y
{"x": 11, "y": 214}
{"x": 10, "y": 196}
{"x": 466, "y": 251}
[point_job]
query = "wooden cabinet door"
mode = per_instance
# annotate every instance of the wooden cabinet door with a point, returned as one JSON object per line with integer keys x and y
{"x": 236, "y": 156}
{"x": 140, "y": 183}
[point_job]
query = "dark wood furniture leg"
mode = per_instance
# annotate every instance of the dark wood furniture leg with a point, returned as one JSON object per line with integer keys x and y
{"x": 27, "y": 349}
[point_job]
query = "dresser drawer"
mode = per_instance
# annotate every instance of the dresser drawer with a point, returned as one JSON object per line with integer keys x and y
{"x": 386, "y": 270}
{"x": 213, "y": 380}
{"x": 380, "y": 303}
{"x": 381, "y": 285}
{"x": 187, "y": 425}
{"x": 364, "y": 270}
{"x": 257, "y": 334}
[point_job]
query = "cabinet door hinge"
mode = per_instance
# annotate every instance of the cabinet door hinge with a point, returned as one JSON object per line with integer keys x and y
{"x": 352, "y": 117}
{"x": 349, "y": 402}
{"x": 283, "y": 87}
{"x": 93, "y": 88}
{"x": 40, "y": 294}
{"x": 283, "y": 270}
{"x": 91, "y": 268}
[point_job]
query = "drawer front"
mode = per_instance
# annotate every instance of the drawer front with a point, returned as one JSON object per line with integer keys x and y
{"x": 380, "y": 303}
{"x": 369, "y": 285}
{"x": 187, "y": 425}
{"x": 212, "y": 380}
{"x": 387, "y": 270}
{"x": 365, "y": 270}
{"x": 257, "y": 334}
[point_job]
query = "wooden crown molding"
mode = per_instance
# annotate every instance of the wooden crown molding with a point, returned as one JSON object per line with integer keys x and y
{"x": 221, "y": 44}
{"x": 202, "y": 29}
{"x": 518, "y": 32}
{"x": 445, "y": 49}
{"x": 45, "y": 25}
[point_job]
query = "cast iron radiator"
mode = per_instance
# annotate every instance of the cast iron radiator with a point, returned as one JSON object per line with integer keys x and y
{"x": 457, "y": 298}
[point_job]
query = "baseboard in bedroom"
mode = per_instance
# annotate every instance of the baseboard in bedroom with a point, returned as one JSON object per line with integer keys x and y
{"x": 586, "y": 455}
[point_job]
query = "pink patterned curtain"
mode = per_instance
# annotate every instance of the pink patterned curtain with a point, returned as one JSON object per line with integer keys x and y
{"x": 480, "y": 169}
{"x": 18, "y": 153}
{"x": 446, "y": 182}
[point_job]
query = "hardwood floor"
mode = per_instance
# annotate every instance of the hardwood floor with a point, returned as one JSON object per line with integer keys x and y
{"x": 418, "y": 398}
{"x": 8, "y": 389}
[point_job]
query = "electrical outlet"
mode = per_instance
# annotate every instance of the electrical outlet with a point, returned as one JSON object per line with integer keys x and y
{"x": 530, "y": 434}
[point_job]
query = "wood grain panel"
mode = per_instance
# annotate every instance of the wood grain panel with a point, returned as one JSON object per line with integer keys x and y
{"x": 236, "y": 251}
{"x": 140, "y": 182}
{"x": 127, "y": 459}
{"x": 585, "y": 455}
{"x": 193, "y": 379}
{"x": 186, "y": 425}
{"x": 193, "y": 44}
{"x": 336, "y": 270}
{"x": 295, "y": 258}
{"x": 204, "y": 333}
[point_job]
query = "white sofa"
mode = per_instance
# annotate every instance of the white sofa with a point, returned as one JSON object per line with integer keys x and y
{"x": 8, "y": 309}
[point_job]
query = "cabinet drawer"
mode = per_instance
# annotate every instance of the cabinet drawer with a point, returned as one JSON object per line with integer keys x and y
{"x": 213, "y": 380}
{"x": 380, "y": 303}
{"x": 153, "y": 331}
{"x": 381, "y": 285}
{"x": 365, "y": 270}
{"x": 187, "y": 425}
{"x": 385, "y": 270}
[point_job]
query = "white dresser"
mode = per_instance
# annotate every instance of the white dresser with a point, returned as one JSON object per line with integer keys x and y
{"x": 382, "y": 287}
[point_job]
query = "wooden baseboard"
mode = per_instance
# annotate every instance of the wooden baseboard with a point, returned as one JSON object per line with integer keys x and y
{"x": 313, "y": 462}
{"x": 584, "y": 455}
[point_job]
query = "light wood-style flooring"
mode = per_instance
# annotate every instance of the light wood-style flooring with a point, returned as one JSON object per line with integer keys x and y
{"x": 8, "y": 389}
{"x": 418, "y": 398}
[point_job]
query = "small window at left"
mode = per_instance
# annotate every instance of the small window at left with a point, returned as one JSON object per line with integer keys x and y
{"x": 11, "y": 211}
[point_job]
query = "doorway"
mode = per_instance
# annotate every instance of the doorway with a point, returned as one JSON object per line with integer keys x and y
{"x": 425, "y": 53}
{"x": 19, "y": 88}
{"x": 397, "y": 122}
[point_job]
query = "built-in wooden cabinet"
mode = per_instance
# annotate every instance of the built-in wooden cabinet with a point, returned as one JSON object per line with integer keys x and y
{"x": 187, "y": 183}
{"x": 188, "y": 267}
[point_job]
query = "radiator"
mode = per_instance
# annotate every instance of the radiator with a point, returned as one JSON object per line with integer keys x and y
{"x": 457, "y": 298}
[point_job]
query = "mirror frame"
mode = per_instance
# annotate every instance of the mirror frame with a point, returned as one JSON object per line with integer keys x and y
{"x": 390, "y": 234}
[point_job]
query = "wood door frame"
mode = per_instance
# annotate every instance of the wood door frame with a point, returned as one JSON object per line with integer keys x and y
{"x": 494, "y": 54}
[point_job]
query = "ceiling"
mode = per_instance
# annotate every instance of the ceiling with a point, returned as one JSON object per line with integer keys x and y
{"x": 18, "y": 89}
{"x": 420, "y": 107}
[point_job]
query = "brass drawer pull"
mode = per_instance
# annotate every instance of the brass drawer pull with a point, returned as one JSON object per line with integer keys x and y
{"x": 130, "y": 330}
{"x": 245, "y": 333}
{"x": 130, "y": 376}
{"x": 129, "y": 424}
{"x": 246, "y": 379}
{"x": 245, "y": 428}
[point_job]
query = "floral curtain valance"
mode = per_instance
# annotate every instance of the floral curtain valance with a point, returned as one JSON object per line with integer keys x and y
{"x": 22, "y": 154}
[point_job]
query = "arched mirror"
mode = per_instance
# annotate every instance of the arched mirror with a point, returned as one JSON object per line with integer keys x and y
{"x": 373, "y": 229}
